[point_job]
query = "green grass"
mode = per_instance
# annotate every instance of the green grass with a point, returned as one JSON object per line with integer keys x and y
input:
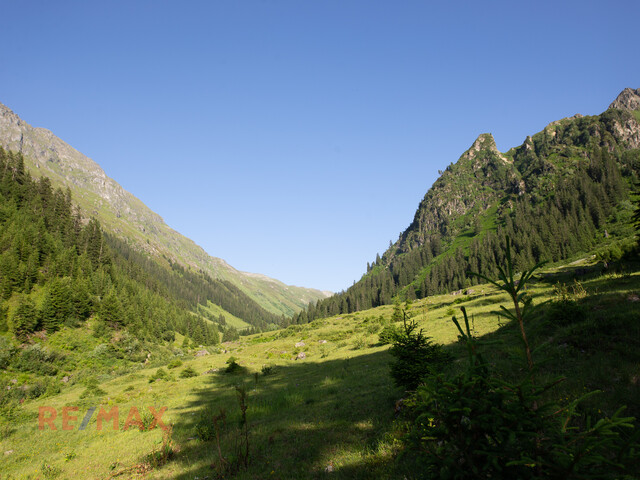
{"x": 230, "y": 319}
{"x": 334, "y": 409}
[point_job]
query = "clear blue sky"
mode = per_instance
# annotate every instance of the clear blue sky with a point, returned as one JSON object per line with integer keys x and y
{"x": 296, "y": 138}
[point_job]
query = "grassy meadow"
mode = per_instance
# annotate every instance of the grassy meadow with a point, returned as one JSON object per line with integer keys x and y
{"x": 331, "y": 414}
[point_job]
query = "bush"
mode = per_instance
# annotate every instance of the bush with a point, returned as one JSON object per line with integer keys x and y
{"x": 161, "y": 374}
{"x": 147, "y": 419}
{"x": 565, "y": 308}
{"x": 188, "y": 372}
{"x": 6, "y": 351}
{"x": 204, "y": 426}
{"x": 176, "y": 362}
{"x": 416, "y": 357}
{"x": 268, "y": 370}
{"x": 93, "y": 390}
{"x": 373, "y": 328}
{"x": 233, "y": 366}
{"x": 389, "y": 334}
{"x": 359, "y": 343}
{"x": 476, "y": 425}
{"x": 37, "y": 360}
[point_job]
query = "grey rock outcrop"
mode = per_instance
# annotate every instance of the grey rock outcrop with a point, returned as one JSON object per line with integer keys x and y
{"x": 629, "y": 99}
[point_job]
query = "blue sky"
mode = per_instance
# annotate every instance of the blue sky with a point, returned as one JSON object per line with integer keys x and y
{"x": 296, "y": 138}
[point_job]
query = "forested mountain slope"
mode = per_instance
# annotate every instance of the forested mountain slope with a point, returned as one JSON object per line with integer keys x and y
{"x": 56, "y": 270}
{"x": 127, "y": 218}
{"x": 564, "y": 191}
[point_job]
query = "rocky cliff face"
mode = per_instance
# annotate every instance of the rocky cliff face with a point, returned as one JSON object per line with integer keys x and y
{"x": 481, "y": 175}
{"x": 125, "y": 215}
{"x": 628, "y": 99}
{"x": 628, "y": 128}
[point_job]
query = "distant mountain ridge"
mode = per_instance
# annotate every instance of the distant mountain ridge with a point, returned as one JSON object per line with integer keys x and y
{"x": 129, "y": 218}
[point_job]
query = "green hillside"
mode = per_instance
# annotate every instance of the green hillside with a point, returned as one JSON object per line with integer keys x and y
{"x": 214, "y": 312}
{"x": 127, "y": 218}
{"x": 564, "y": 192}
{"x": 333, "y": 413}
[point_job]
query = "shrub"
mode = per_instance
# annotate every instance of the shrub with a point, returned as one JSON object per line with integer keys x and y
{"x": 176, "y": 362}
{"x": 6, "y": 351}
{"x": 389, "y": 334}
{"x": 476, "y": 425}
{"x": 93, "y": 391}
{"x": 6, "y": 429}
{"x": 49, "y": 471}
{"x": 373, "y": 328}
{"x": 37, "y": 360}
{"x": 161, "y": 374}
{"x": 233, "y": 366}
{"x": 205, "y": 427}
{"x": 147, "y": 419}
{"x": 359, "y": 343}
{"x": 416, "y": 356}
{"x": 188, "y": 372}
{"x": 268, "y": 370}
{"x": 565, "y": 308}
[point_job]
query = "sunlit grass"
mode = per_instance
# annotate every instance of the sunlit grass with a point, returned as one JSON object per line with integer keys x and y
{"x": 332, "y": 412}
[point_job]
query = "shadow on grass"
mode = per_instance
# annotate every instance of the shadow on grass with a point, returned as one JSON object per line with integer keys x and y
{"x": 331, "y": 418}
{"x": 308, "y": 420}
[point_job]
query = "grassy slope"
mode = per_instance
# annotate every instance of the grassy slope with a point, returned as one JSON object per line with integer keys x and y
{"x": 336, "y": 407}
{"x": 129, "y": 218}
{"x": 232, "y": 320}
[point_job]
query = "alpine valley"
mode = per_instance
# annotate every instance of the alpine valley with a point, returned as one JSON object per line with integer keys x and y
{"x": 498, "y": 337}
{"x": 127, "y": 218}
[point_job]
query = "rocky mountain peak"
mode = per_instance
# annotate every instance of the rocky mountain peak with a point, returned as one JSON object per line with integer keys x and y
{"x": 484, "y": 143}
{"x": 629, "y": 99}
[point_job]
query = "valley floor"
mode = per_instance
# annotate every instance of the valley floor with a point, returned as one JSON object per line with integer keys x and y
{"x": 331, "y": 414}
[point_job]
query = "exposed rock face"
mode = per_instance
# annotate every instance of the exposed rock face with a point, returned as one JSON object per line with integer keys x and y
{"x": 628, "y": 99}
{"x": 486, "y": 142}
{"x": 628, "y": 130}
{"x": 472, "y": 183}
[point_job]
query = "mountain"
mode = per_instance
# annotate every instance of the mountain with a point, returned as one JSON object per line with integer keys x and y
{"x": 628, "y": 99}
{"x": 565, "y": 191}
{"x": 130, "y": 219}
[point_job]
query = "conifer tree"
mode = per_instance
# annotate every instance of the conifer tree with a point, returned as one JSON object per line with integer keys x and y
{"x": 24, "y": 319}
